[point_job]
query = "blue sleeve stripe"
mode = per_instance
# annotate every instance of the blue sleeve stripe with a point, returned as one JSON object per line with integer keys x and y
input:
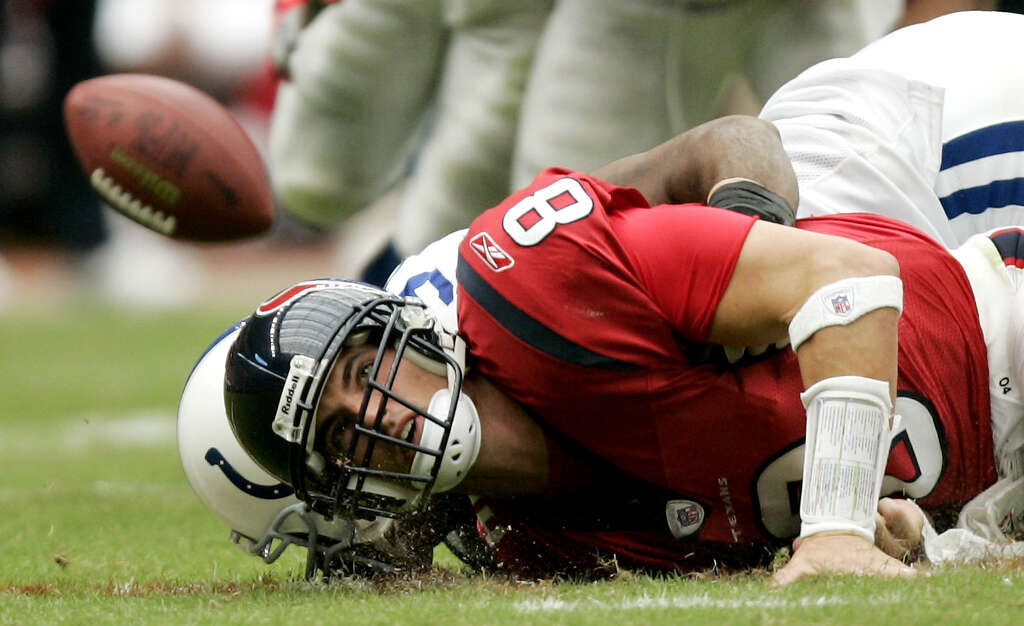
{"x": 976, "y": 200}
{"x": 527, "y": 329}
{"x": 984, "y": 142}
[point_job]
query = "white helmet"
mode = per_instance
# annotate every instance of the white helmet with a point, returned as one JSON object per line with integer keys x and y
{"x": 263, "y": 514}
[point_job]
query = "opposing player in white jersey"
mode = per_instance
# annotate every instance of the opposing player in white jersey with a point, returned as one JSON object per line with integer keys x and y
{"x": 383, "y": 91}
{"x": 925, "y": 125}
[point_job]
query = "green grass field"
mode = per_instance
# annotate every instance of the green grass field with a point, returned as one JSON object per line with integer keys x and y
{"x": 100, "y": 526}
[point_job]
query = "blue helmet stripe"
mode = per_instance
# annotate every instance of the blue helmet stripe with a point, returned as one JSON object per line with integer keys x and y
{"x": 445, "y": 290}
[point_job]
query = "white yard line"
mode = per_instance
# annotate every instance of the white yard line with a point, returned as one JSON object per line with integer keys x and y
{"x": 134, "y": 429}
{"x": 554, "y": 605}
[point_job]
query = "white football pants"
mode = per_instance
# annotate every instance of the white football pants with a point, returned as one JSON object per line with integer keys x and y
{"x": 379, "y": 83}
{"x": 613, "y": 78}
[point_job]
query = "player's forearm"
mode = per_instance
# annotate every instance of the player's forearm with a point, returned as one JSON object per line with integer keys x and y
{"x": 687, "y": 167}
{"x": 839, "y": 303}
{"x": 846, "y": 340}
{"x": 867, "y": 348}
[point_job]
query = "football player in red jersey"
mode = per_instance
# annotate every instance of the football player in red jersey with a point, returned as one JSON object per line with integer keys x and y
{"x": 594, "y": 311}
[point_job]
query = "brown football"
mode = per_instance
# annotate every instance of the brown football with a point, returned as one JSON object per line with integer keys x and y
{"x": 169, "y": 157}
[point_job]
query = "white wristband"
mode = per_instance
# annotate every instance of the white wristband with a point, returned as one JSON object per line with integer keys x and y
{"x": 848, "y": 439}
{"x": 843, "y": 302}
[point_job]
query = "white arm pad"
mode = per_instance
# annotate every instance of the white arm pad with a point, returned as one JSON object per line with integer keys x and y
{"x": 843, "y": 302}
{"x": 848, "y": 439}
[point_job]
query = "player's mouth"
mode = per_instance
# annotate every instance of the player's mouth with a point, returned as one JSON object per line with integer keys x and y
{"x": 411, "y": 431}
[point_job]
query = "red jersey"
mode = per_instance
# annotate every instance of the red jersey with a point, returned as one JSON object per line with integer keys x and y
{"x": 592, "y": 309}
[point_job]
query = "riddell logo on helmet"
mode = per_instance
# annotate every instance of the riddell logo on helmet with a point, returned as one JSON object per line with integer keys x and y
{"x": 284, "y": 424}
{"x": 289, "y": 396}
{"x": 491, "y": 253}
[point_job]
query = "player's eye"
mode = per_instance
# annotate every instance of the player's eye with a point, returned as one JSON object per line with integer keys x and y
{"x": 364, "y": 371}
{"x": 357, "y": 375}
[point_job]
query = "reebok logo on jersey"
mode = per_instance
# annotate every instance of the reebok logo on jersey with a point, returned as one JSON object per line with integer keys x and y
{"x": 491, "y": 253}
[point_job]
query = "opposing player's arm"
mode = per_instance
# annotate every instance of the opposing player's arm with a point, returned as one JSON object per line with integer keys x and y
{"x": 735, "y": 162}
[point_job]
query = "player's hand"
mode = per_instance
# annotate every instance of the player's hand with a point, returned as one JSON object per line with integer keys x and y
{"x": 898, "y": 525}
{"x": 837, "y": 553}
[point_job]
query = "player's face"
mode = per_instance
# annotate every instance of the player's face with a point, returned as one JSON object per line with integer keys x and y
{"x": 343, "y": 397}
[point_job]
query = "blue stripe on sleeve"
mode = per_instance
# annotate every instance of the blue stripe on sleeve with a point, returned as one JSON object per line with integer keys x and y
{"x": 984, "y": 142}
{"x": 975, "y": 200}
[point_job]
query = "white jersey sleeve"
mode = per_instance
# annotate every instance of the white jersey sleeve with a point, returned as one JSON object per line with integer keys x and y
{"x": 925, "y": 125}
{"x": 430, "y": 276}
{"x": 863, "y": 141}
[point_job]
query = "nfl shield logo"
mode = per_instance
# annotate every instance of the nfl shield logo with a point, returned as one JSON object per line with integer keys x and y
{"x": 840, "y": 303}
{"x": 684, "y": 517}
{"x": 688, "y": 516}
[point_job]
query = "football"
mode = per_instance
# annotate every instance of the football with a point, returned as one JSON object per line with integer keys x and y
{"x": 169, "y": 157}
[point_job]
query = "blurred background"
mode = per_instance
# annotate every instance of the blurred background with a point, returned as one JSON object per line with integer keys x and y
{"x": 399, "y": 120}
{"x": 59, "y": 245}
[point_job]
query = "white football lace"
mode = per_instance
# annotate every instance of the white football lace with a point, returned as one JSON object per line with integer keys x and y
{"x": 122, "y": 200}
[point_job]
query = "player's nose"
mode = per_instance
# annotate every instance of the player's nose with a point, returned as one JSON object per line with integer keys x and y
{"x": 388, "y": 417}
